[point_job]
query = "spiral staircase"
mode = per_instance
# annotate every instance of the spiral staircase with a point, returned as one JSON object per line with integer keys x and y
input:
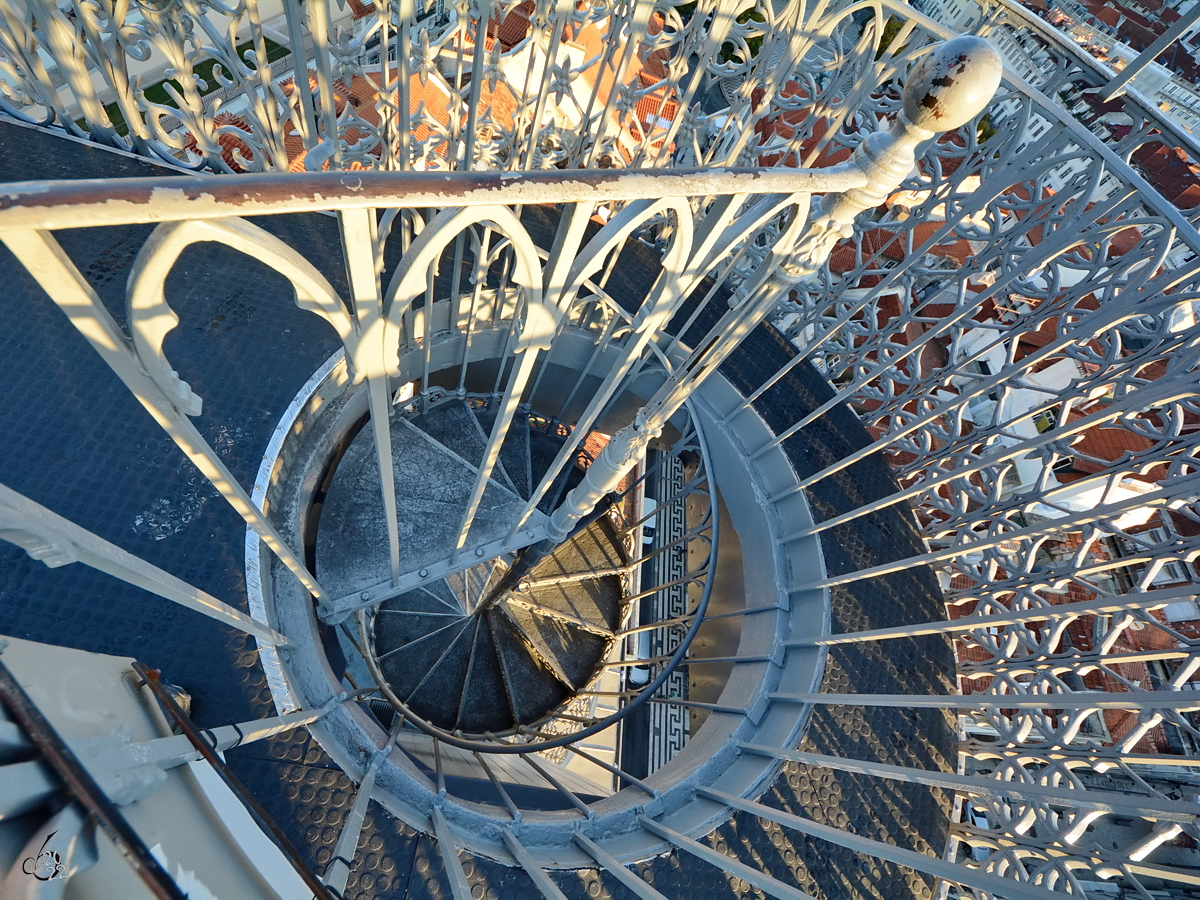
{"x": 457, "y": 662}
{"x": 683, "y": 474}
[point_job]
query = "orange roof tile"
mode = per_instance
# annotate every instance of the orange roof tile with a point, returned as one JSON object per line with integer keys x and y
{"x": 514, "y": 27}
{"x": 431, "y": 96}
{"x": 649, "y": 120}
{"x": 229, "y": 143}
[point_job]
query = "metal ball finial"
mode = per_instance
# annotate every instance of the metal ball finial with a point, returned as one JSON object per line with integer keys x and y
{"x": 951, "y": 84}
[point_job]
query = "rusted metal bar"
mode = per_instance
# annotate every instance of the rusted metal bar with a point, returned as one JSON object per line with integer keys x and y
{"x": 49, "y": 205}
{"x": 84, "y": 788}
{"x": 260, "y": 816}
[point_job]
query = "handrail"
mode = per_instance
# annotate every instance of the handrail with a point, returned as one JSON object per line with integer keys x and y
{"x": 49, "y": 205}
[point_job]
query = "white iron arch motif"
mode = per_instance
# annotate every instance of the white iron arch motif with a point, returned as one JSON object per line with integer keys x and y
{"x": 689, "y": 247}
{"x": 151, "y": 319}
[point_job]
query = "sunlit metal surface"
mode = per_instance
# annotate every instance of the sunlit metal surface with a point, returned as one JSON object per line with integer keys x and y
{"x": 1013, "y": 321}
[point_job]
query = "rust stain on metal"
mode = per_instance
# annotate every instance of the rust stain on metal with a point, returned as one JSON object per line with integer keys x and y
{"x": 54, "y": 204}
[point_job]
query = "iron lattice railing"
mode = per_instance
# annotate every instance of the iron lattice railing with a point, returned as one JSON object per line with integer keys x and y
{"x": 1015, "y": 325}
{"x": 1018, "y": 334}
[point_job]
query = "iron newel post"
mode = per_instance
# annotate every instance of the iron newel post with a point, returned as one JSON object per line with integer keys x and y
{"x": 947, "y": 88}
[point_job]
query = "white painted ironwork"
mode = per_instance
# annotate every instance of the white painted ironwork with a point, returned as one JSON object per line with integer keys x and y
{"x": 1015, "y": 324}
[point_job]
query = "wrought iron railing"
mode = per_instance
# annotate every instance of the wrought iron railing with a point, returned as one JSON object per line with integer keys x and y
{"x": 1014, "y": 325}
{"x": 1018, "y": 334}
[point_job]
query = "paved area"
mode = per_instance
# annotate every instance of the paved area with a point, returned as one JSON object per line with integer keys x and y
{"x": 77, "y": 442}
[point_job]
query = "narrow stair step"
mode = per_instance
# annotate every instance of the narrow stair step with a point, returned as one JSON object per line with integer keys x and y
{"x": 439, "y": 692}
{"x": 409, "y": 617}
{"x": 469, "y": 584}
{"x": 533, "y": 688}
{"x": 453, "y": 424}
{"x": 422, "y": 601}
{"x": 596, "y": 600}
{"x": 406, "y": 657}
{"x": 571, "y": 652}
{"x": 485, "y": 706}
{"x": 536, "y": 647}
{"x": 444, "y": 595}
{"x": 514, "y": 452}
{"x": 433, "y": 487}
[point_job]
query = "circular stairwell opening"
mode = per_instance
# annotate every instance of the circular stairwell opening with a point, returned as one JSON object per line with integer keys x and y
{"x": 607, "y": 684}
{"x": 461, "y": 652}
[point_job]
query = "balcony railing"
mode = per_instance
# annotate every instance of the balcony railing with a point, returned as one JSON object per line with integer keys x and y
{"x": 1015, "y": 325}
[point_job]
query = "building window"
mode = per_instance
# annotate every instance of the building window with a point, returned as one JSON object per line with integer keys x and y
{"x": 1174, "y": 572}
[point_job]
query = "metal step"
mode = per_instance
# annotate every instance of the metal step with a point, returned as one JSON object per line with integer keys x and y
{"x": 440, "y": 690}
{"x": 484, "y": 705}
{"x": 533, "y": 688}
{"x": 514, "y": 452}
{"x": 433, "y": 487}
{"x": 592, "y": 550}
{"x": 454, "y": 425}
{"x": 569, "y": 652}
